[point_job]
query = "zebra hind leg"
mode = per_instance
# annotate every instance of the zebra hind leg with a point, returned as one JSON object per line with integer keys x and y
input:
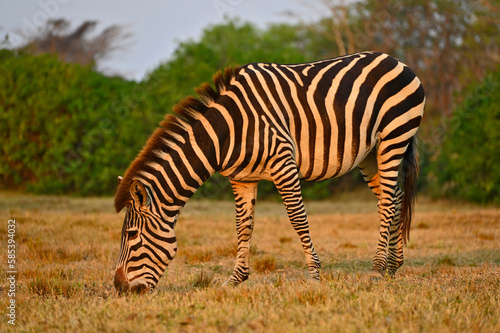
{"x": 389, "y": 159}
{"x": 386, "y": 211}
{"x": 287, "y": 182}
{"x": 389, "y": 252}
{"x": 395, "y": 257}
{"x": 245, "y": 195}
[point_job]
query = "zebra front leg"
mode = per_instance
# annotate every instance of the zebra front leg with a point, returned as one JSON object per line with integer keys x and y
{"x": 395, "y": 257}
{"x": 288, "y": 184}
{"x": 244, "y": 196}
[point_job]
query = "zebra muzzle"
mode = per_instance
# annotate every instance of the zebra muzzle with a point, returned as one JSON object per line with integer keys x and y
{"x": 120, "y": 281}
{"x": 122, "y": 285}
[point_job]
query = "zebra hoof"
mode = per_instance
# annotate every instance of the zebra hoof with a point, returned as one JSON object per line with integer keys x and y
{"x": 391, "y": 274}
{"x": 314, "y": 275}
{"x": 230, "y": 283}
{"x": 375, "y": 275}
{"x": 315, "y": 278}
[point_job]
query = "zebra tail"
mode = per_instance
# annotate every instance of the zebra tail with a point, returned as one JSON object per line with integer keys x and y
{"x": 410, "y": 177}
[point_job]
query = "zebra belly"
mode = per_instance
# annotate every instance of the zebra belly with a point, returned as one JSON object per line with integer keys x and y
{"x": 326, "y": 168}
{"x": 331, "y": 156}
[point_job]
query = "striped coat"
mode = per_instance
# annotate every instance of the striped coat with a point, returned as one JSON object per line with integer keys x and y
{"x": 283, "y": 123}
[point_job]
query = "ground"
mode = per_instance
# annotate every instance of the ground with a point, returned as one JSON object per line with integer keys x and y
{"x": 66, "y": 249}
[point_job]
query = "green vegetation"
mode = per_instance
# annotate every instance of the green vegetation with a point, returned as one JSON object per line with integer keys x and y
{"x": 68, "y": 129}
{"x": 67, "y": 249}
{"x": 467, "y": 167}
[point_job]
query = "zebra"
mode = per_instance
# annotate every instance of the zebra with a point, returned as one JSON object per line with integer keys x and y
{"x": 283, "y": 123}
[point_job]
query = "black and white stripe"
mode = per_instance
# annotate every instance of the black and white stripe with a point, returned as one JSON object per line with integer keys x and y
{"x": 283, "y": 123}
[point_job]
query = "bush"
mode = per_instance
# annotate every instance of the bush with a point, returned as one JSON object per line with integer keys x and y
{"x": 468, "y": 165}
{"x": 66, "y": 128}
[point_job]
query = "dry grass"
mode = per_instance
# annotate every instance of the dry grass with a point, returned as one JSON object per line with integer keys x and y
{"x": 67, "y": 248}
{"x": 264, "y": 264}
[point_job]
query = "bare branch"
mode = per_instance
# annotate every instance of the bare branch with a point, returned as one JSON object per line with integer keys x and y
{"x": 77, "y": 46}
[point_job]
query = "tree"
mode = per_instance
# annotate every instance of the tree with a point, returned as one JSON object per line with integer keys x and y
{"x": 467, "y": 166}
{"x": 76, "y": 46}
{"x": 448, "y": 43}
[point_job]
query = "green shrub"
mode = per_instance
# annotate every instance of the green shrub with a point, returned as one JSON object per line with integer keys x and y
{"x": 66, "y": 128}
{"x": 468, "y": 165}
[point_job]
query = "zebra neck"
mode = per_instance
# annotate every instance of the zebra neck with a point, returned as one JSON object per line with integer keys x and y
{"x": 181, "y": 164}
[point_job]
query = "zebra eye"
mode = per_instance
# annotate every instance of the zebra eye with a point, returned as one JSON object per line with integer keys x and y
{"x": 132, "y": 234}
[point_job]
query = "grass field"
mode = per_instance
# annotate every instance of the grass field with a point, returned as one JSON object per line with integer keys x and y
{"x": 67, "y": 247}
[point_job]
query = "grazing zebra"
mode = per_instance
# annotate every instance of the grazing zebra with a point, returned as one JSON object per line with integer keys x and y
{"x": 282, "y": 123}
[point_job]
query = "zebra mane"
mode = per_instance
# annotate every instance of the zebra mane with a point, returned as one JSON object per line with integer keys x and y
{"x": 175, "y": 124}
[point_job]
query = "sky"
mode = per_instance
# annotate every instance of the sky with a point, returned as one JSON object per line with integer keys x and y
{"x": 156, "y": 26}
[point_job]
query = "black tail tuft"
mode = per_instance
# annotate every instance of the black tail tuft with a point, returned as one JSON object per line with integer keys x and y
{"x": 410, "y": 177}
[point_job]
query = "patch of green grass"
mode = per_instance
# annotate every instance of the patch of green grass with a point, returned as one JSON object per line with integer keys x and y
{"x": 445, "y": 260}
{"x": 203, "y": 280}
{"x": 349, "y": 265}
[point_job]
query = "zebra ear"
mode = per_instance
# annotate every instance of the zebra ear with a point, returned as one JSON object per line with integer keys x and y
{"x": 139, "y": 193}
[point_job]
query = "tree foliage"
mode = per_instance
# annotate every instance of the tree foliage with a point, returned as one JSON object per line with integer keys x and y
{"x": 66, "y": 128}
{"x": 467, "y": 166}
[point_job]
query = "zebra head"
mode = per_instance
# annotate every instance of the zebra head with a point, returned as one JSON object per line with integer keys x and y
{"x": 148, "y": 242}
